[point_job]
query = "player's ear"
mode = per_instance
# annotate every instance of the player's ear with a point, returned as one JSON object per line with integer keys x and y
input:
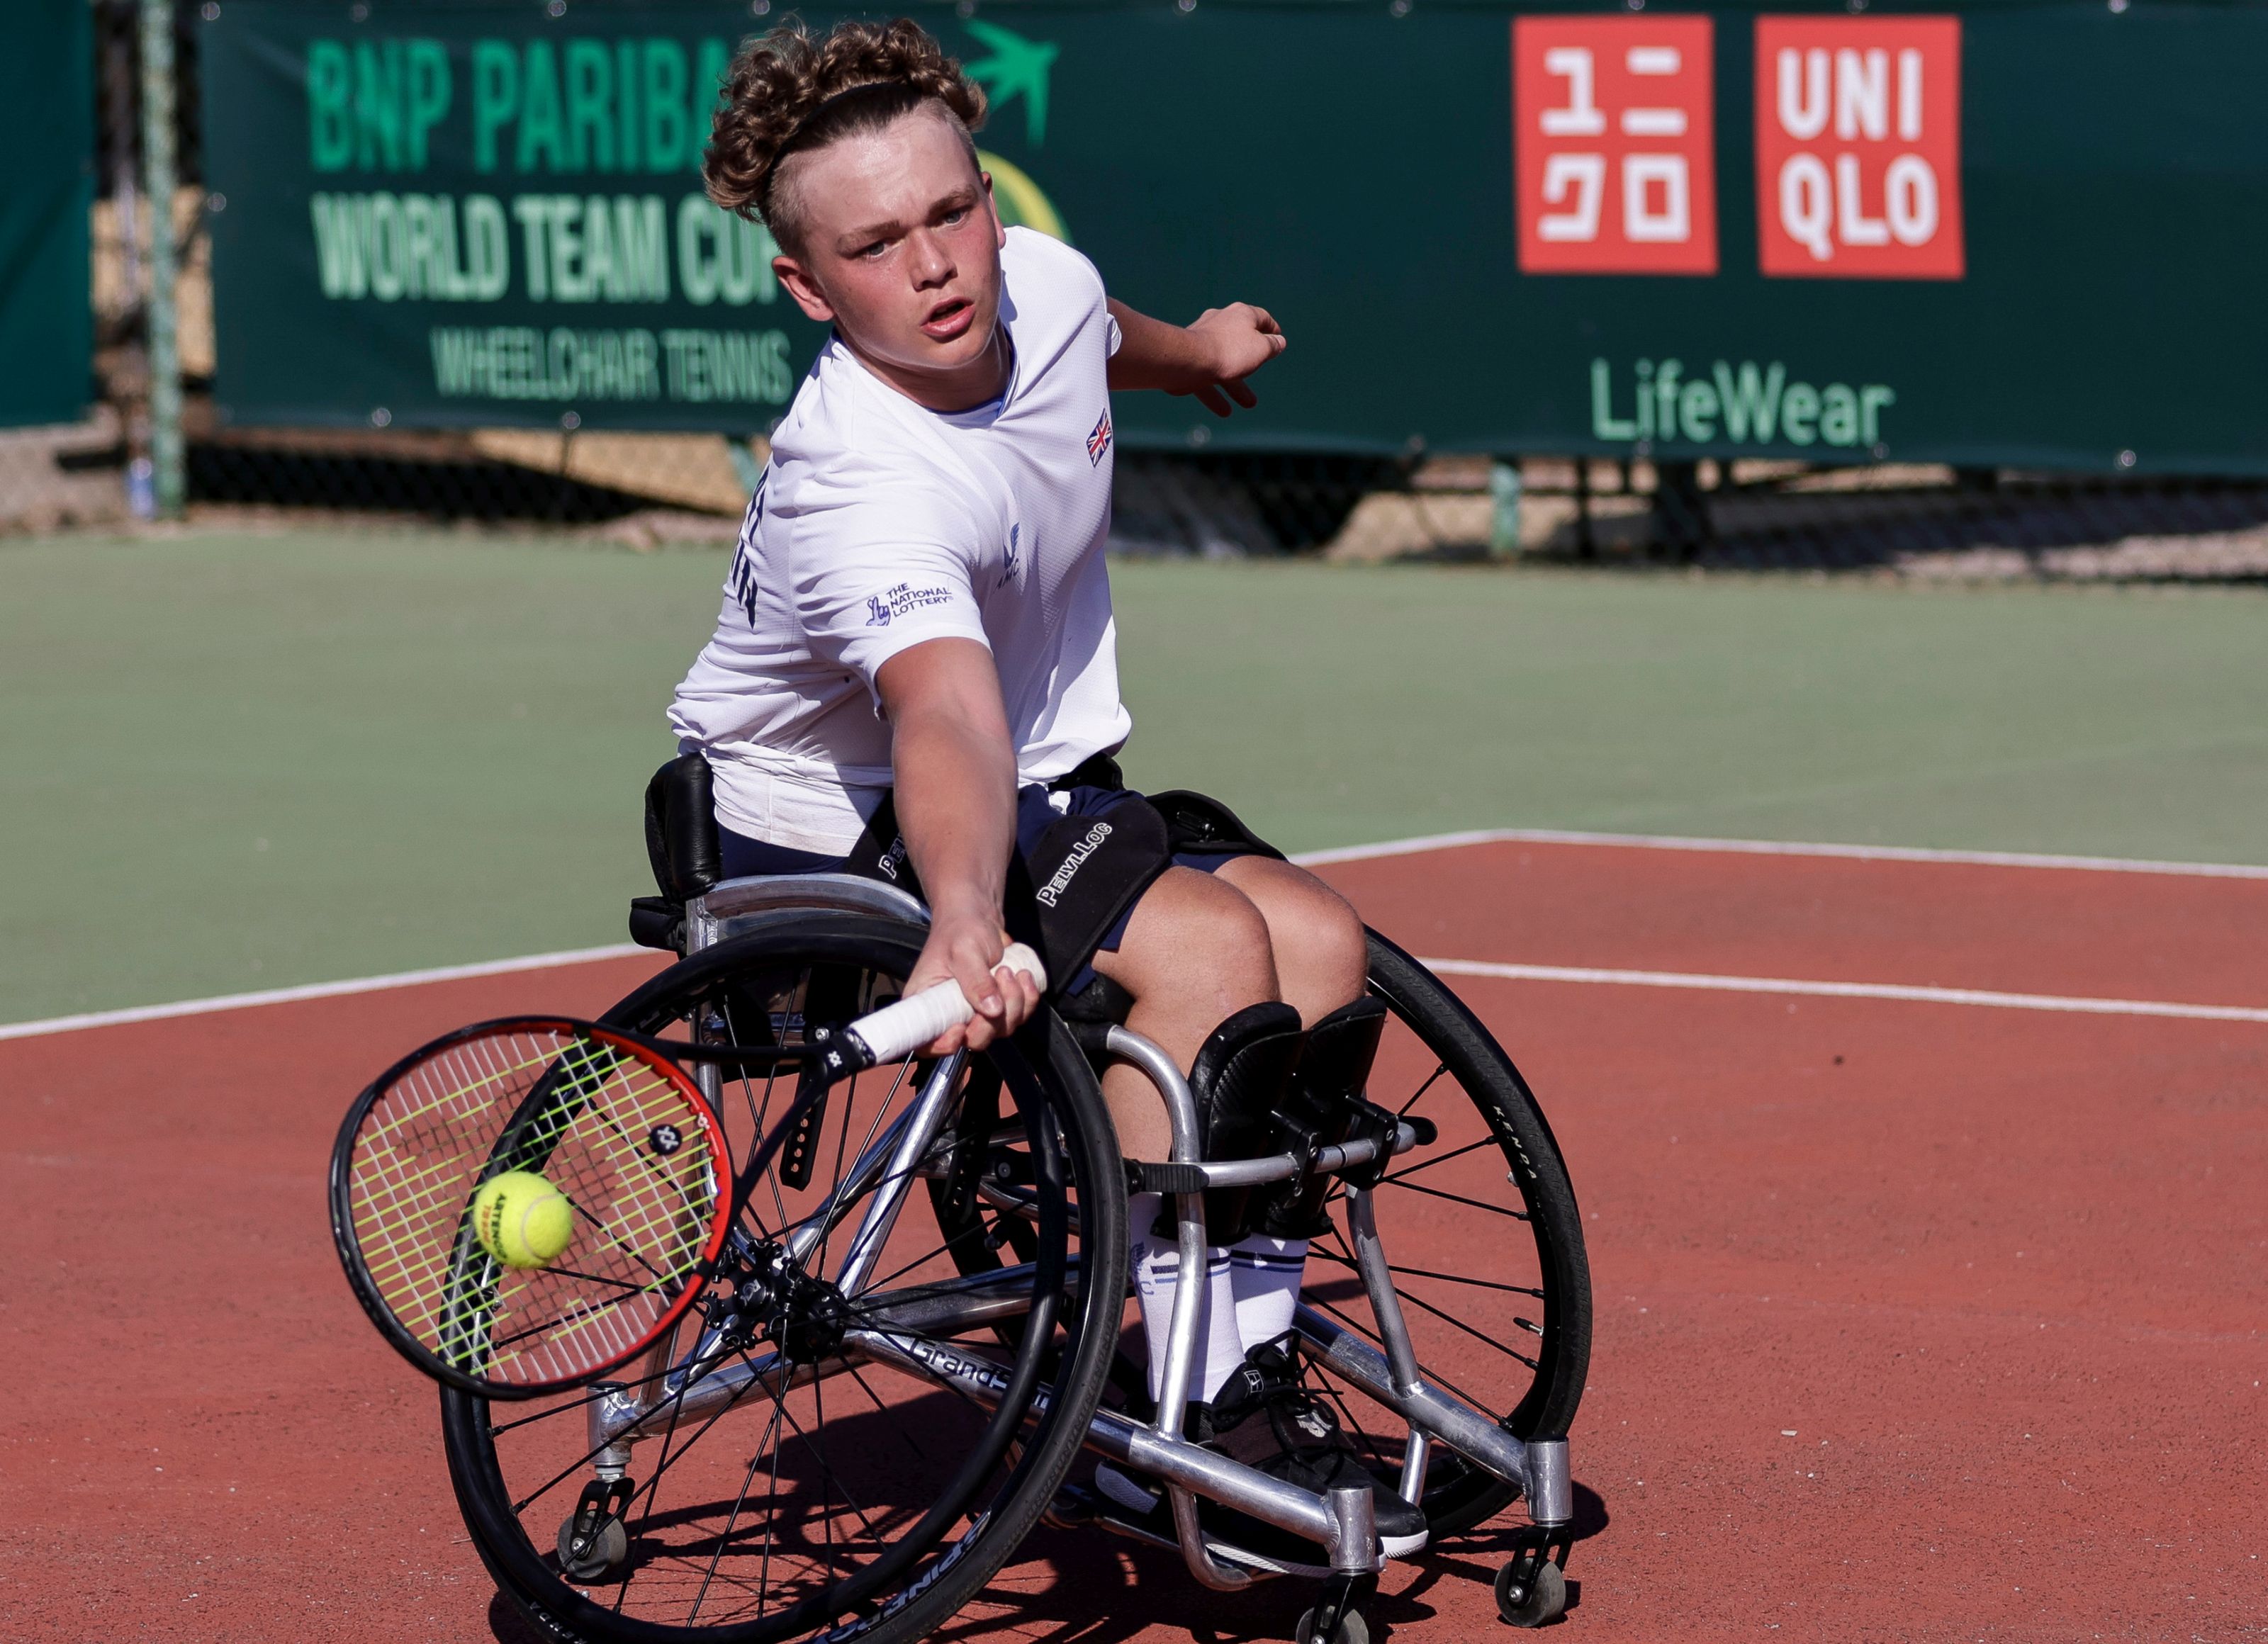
{"x": 803, "y": 289}
{"x": 999, "y": 228}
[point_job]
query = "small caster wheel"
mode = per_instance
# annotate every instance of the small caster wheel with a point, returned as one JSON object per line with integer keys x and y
{"x": 609, "y": 1550}
{"x": 1544, "y": 1599}
{"x": 1352, "y": 1629}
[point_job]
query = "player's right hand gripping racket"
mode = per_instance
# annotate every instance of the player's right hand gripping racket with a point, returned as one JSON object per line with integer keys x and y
{"x": 613, "y": 1126}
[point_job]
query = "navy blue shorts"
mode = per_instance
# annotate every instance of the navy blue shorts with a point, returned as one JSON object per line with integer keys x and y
{"x": 1036, "y": 806}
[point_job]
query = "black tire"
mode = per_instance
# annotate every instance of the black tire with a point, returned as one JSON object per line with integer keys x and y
{"x": 1506, "y": 1320}
{"x": 1074, "y": 1158}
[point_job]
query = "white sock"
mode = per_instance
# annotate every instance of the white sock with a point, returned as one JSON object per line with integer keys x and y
{"x": 1156, "y": 1264}
{"x": 1265, "y": 1273}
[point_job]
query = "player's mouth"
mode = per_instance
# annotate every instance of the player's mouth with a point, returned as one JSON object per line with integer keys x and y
{"x": 949, "y": 319}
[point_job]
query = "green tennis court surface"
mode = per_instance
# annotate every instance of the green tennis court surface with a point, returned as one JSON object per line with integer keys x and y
{"x": 231, "y": 762}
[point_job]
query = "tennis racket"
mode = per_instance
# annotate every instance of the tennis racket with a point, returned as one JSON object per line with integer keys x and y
{"x": 612, "y": 1125}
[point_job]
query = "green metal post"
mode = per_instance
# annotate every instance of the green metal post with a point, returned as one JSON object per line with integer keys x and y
{"x": 1503, "y": 509}
{"x": 157, "y": 184}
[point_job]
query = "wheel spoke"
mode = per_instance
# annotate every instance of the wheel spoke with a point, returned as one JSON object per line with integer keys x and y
{"x": 1442, "y": 1159}
{"x": 652, "y": 1490}
{"x": 1353, "y": 1420}
{"x": 1346, "y": 1256}
{"x": 1435, "y": 1193}
{"x": 756, "y": 1116}
{"x": 496, "y": 1428}
{"x": 771, "y": 1519}
{"x": 859, "y": 1376}
{"x": 818, "y": 1447}
{"x": 1403, "y": 1111}
{"x": 1451, "y": 1319}
{"x": 1432, "y": 1376}
{"x": 975, "y": 1228}
{"x": 748, "y": 1482}
{"x": 1426, "y": 1272}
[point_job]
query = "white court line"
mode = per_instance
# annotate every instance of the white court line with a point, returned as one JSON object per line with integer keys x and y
{"x": 1313, "y": 858}
{"x": 1845, "y": 990}
{"x": 1775, "y": 847}
{"x": 315, "y": 990}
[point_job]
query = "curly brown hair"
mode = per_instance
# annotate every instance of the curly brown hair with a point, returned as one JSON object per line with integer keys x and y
{"x": 788, "y": 94}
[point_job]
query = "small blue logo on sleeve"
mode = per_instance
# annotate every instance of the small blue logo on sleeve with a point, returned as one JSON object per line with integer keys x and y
{"x": 878, "y": 611}
{"x": 1098, "y": 442}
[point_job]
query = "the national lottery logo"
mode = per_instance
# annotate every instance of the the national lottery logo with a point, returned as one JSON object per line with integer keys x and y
{"x": 1613, "y": 145}
{"x": 892, "y": 602}
{"x": 1858, "y": 147}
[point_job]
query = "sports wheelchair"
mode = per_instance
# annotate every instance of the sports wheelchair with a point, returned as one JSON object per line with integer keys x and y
{"x": 885, "y": 1391}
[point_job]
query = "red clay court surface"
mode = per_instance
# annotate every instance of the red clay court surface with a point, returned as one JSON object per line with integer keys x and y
{"x": 1915, "y": 1320}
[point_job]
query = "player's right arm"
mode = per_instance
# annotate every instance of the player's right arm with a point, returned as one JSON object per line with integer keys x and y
{"x": 954, "y": 770}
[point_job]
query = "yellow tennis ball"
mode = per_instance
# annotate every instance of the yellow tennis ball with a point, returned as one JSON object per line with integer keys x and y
{"x": 521, "y": 1219}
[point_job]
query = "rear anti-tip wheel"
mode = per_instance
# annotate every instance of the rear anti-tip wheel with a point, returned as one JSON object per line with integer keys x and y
{"x": 1352, "y": 1629}
{"x": 1541, "y": 1598}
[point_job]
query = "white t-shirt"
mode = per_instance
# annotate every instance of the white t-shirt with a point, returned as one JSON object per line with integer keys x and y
{"x": 879, "y": 525}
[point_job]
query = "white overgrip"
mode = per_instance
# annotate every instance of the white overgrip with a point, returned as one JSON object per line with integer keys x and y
{"x": 897, "y": 1031}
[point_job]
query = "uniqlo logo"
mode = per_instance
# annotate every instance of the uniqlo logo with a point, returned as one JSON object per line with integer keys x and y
{"x": 1613, "y": 145}
{"x": 1858, "y": 147}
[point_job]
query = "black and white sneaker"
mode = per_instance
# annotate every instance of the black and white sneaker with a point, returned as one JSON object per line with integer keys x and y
{"x": 1267, "y": 1420}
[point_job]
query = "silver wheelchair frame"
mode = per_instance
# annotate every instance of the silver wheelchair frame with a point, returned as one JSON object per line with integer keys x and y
{"x": 672, "y": 1388}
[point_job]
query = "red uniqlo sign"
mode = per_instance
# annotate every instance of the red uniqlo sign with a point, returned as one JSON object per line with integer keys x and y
{"x": 1858, "y": 147}
{"x": 1613, "y": 145}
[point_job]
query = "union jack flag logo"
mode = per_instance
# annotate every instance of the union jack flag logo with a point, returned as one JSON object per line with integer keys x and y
{"x": 1098, "y": 442}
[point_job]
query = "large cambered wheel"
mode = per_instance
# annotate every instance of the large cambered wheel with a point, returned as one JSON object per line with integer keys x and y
{"x": 828, "y": 1478}
{"x": 1481, "y": 1230}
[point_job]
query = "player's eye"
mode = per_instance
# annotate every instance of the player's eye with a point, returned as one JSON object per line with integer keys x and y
{"x": 956, "y": 217}
{"x": 873, "y": 252}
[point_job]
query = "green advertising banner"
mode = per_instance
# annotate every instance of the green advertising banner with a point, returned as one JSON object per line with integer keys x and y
{"x": 1986, "y": 234}
{"x": 46, "y": 318}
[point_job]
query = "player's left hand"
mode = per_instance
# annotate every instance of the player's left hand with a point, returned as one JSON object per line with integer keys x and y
{"x": 1238, "y": 340}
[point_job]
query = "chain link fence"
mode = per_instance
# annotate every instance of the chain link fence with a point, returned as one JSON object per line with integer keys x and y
{"x": 1911, "y": 519}
{"x": 1907, "y": 519}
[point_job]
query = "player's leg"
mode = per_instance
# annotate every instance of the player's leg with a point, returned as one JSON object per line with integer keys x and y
{"x": 1195, "y": 953}
{"x": 1263, "y": 1413}
{"x": 1314, "y": 936}
{"x": 1194, "y": 956}
{"x": 1252, "y": 920}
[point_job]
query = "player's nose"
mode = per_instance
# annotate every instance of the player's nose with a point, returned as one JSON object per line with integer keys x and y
{"x": 931, "y": 263}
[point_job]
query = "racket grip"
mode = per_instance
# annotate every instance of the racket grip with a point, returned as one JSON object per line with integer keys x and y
{"x": 897, "y": 1031}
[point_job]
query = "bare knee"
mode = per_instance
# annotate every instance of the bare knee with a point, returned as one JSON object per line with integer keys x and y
{"x": 1196, "y": 942}
{"x": 1321, "y": 949}
{"x": 1195, "y": 953}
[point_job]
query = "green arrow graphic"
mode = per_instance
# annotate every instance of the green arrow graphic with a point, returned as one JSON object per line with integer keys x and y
{"x": 1017, "y": 67}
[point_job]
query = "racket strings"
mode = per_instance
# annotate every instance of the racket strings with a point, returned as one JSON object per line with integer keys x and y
{"x": 622, "y": 1140}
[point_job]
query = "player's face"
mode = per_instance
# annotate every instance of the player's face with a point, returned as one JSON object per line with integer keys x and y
{"x": 902, "y": 251}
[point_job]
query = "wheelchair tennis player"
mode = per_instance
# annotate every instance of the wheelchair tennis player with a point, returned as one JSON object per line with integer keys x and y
{"x": 914, "y": 676}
